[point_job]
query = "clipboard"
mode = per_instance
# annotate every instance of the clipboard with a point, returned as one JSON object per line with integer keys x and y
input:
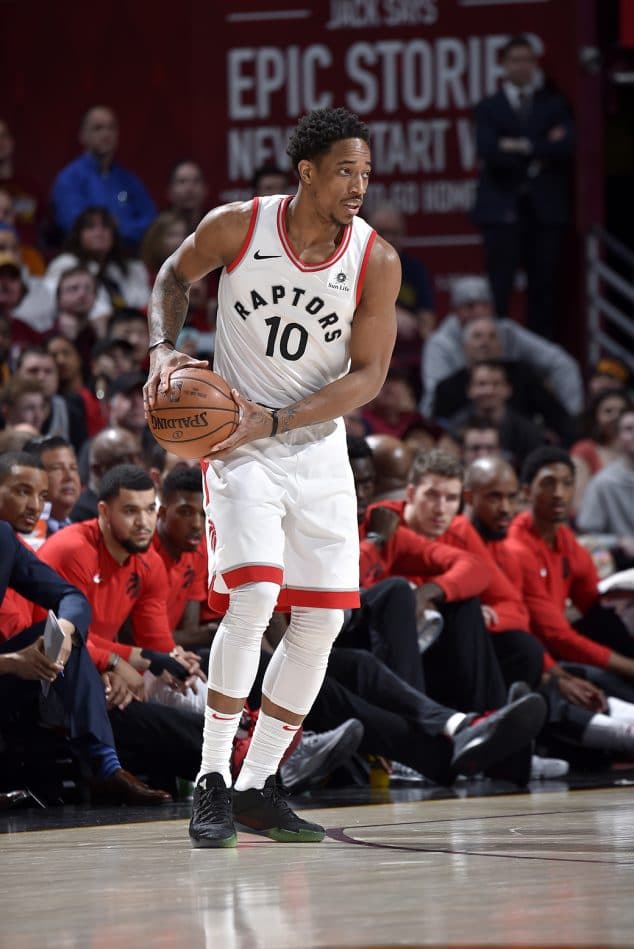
{"x": 53, "y": 639}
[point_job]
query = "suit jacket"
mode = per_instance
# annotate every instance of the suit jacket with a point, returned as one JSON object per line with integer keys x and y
{"x": 541, "y": 176}
{"x": 22, "y": 571}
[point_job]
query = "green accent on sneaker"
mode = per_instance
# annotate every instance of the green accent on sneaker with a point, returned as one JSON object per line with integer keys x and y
{"x": 300, "y": 837}
{"x": 204, "y": 842}
{"x": 264, "y": 811}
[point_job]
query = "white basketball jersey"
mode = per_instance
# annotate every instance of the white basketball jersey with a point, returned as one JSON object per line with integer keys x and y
{"x": 283, "y": 327}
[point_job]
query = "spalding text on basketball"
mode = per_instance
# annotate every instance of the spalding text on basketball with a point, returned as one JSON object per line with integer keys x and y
{"x": 187, "y": 421}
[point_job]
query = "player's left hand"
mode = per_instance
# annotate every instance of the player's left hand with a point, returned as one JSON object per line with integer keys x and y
{"x": 255, "y": 422}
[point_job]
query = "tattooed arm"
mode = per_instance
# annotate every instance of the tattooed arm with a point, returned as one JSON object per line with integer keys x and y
{"x": 216, "y": 242}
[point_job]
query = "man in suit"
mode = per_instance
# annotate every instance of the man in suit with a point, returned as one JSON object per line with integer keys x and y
{"x": 525, "y": 139}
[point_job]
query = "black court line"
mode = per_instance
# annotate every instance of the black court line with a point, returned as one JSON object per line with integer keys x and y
{"x": 339, "y": 834}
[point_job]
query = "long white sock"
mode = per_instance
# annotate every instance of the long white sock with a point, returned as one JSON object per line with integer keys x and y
{"x": 609, "y": 734}
{"x": 624, "y": 711}
{"x": 271, "y": 738}
{"x": 218, "y": 734}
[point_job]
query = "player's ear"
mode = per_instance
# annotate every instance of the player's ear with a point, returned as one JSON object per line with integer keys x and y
{"x": 409, "y": 493}
{"x": 305, "y": 170}
{"x": 102, "y": 509}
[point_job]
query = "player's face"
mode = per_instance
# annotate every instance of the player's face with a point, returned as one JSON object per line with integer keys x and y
{"x": 64, "y": 486}
{"x": 339, "y": 181}
{"x": 551, "y": 493}
{"x": 131, "y": 519}
{"x": 495, "y": 504}
{"x": 364, "y": 474}
{"x": 433, "y": 504}
{"x": 183, "y": 521}
{"x": 22, "y": 496}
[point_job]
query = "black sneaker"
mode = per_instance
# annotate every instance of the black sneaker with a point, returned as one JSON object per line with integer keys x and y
{"x": 490, "y": 738}
{"x": 212, "y": 824}
{"x": 266, "y": 811}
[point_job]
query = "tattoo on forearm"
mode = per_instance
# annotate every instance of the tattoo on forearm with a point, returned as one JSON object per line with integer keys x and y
{"x": 168, "y": 307}
{"x": 286, "y": 418}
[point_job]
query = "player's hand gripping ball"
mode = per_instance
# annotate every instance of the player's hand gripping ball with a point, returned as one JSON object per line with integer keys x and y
{"x": 196, "y": 413}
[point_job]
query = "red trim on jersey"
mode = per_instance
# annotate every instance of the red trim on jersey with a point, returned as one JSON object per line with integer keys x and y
{"x": 245, "y": 246}
{"x": 364, "y": 265}
{"x": 253, "y": 573}
{"x": 286, "y": 244}
{"x": 203, "y": 467}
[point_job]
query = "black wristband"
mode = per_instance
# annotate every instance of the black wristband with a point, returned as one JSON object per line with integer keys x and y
{"x": 161, "y": 342}
{"x": 274, "y": 421}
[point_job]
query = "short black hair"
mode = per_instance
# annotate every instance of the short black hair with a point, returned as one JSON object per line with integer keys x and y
{"x": 358, "y": 448}
{"x": 181, "y": 479}
{"x": 316, "y": 132}
{"x": 37, "y": 446}
{"x": 123, "y": 314}
{"x": 128, "y": 477}
{"x": 436, "y": 462}
{"x": 541, "y": 457}
{"x": 32, "y": 351}
{"x": 17, "y": 459}
{"x": 515, "y": 42}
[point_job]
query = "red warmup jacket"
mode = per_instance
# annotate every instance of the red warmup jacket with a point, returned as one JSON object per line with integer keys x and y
{"x": 186, "y": 578}
{"x": 458, "y": 573}
{"x": 138, "y": 588}
{"x": 551, "y": 576}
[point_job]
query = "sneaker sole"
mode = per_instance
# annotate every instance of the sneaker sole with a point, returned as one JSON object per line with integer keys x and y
{"x": 200, "y": 843}
{"x": 512, "y": 732}
{"x": 286, "y": 836}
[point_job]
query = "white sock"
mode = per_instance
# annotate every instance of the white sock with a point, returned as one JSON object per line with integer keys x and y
{"x": 271, "y": 738}
{"x": 218, "y": 734}
{"x": 451, "y": 725}
{"x": 609, "y": 734}
{"x": 624, "y": 711}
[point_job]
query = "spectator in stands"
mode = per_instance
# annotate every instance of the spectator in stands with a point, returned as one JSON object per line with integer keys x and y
{"x": 167, "y": 231}
{"x": 525, "y": 142}
{"x": 481, "y": 341}
{"x": 415, "y": 302}
{"x": 444, "y": 353}
{"x": 96, "y": 180}
{"x": 480, "y": 439}
{"x": 69, "y": 368}
{"x": 561, "y": 569}
{"x": 125, "y": 403}
{"x": 31, "y": 257}
{"x": 598, "y": 448}
{"x": 607, "y": 507}
{"x": 187, "y": 194}
{"x": 608, "y": 373}
{"x": 60, "y": 464}
{"x": 76, "y": 296}
{"x": 5, "y": 345}
{"x": 67, "y": 416}
{"x": 23, "y": 297}
{"x": 111, "y": 447}
{"x": 24, "y": 402}
{"x": 109, "y": 359}
{"x": 26, "y": 196}
{"x": 394, "y": 411}
{"x": 131, "y": 325}
{"x": 392, "y": 461}
{"x": 270, "y": 179}
{"x": 489, "y": 393}
{"x": 93, "y": 242}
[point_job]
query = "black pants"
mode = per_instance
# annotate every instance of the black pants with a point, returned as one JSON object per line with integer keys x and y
{"x": 79, "y": 692}
{"x": 157, "y": 741}
{"x": 604, "y": 626}
{"x": 461, "y": 668}
{"x": 386, "y": 625}
{"x": 536, "y": 247}
{"x": 520, "y": 655}
{"x": 399, "y": 722}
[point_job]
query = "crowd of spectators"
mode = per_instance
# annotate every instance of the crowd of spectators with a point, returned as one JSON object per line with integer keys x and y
{"x": 495, "y": 493}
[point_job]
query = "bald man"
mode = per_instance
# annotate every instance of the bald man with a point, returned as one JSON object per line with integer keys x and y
{"x": 112, "y": 446}
{"x": 392, "y": 461}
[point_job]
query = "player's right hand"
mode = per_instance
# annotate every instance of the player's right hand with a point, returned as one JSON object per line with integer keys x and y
{"x": 163, "y": 362}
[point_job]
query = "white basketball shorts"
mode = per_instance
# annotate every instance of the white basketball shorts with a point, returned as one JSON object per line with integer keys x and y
{"x": 284, "y": 510}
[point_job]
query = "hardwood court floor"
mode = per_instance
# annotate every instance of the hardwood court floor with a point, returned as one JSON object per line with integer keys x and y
{"x": 549, "y": 869}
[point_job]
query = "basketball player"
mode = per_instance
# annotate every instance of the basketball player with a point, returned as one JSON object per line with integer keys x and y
{"x": 306, "y": 327}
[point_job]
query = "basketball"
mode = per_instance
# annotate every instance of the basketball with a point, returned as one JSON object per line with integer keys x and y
{"x": 196, "y": 413}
